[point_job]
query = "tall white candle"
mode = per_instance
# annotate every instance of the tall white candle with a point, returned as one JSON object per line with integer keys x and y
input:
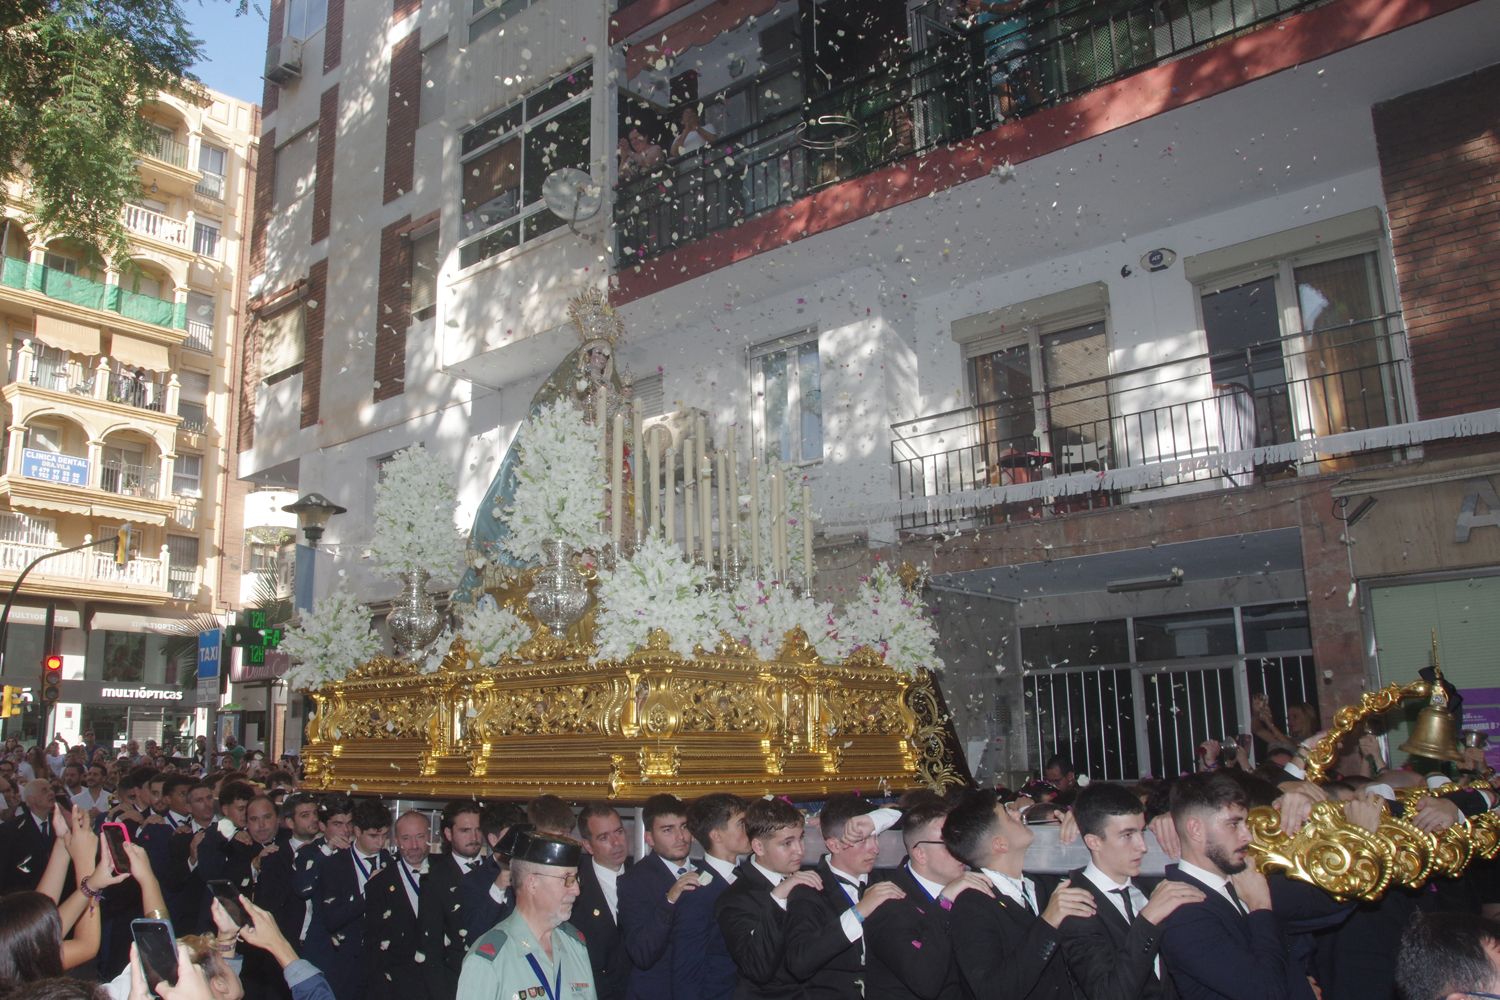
{"x": 653, "y": 463}
{"x": 724, "y": 522}
{"x": 690, "y": 501}
{"x": 807, "y": 538}
{"x": 732, "y": 487}
{"x": 669, "y": 493}
{"x": 617, "y": 480}
{"x": 755, "y": 516}
{"x": 638, "y": 467}
{"x": 777, "y": 526}
{"x": 705, "y": 503}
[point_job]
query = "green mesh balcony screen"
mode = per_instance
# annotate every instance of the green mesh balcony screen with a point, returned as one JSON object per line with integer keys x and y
{"x": 146, "y": 308}
{"x": 73, "y": 288}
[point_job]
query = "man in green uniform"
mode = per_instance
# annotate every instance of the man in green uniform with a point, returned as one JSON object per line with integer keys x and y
{"x": 533, "y": 954}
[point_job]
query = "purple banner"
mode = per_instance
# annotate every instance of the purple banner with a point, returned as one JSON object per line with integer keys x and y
{"x": 1482, "y": 713}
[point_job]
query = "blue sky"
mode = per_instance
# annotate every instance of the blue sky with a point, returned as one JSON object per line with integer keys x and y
{"x": 234, "y": 48}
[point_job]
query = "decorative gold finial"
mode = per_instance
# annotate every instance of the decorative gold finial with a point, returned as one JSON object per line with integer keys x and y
{"x": 909, "y": 575}
{"x": 1439, "y": 698}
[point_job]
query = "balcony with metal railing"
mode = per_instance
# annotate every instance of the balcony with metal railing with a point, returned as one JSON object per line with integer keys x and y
{"x": 1206, "y": 421}
{"x": 129, "y": 480}
{"x": 960, "y": 82}
{"x": 211, "y": 186}
{"x": 167, "y": 149}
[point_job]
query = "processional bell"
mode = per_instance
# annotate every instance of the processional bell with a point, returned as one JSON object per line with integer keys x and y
{"x": 1435, "y": 734}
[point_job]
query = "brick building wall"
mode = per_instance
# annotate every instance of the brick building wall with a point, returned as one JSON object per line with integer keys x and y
{"x": 328, "y": 127}
{"x": 1439, "y": 154}
{"x": 312, "y": 338}
{"x": 403, "y": 108}
{"x": 392, "y": 309}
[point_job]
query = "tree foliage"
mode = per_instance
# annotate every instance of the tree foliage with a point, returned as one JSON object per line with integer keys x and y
{"x": 74, "y": 75}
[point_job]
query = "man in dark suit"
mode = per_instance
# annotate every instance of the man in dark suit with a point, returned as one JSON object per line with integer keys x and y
{"x": 28, "y": 838}
{"x": 596, "y": 911}
{"x": 909, "y": 953}
{"x": 484, "y": 893}
{"x": 439, "y": 906}
{"x": 336, "y": 935}
{"x": 1114, "y": 954}
{"x": 648, "y": 895}
{"x": 1003, "y": 946}
{"x": 751, "y": 913}
{"x": 270, "y": 885}
{"x": 392, "y": 938}
{"x": 1230, "y": 945}
{"x": 701, "y": 966}
{"x": 824, "y": 932}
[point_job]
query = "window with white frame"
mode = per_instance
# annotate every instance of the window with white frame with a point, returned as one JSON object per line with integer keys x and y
{"x": 212, "y": 162}
{"x": 296, "y": 168}
{"x": 182, "y": 566}
{"x": 303, "y": 17}
{"x": 200, "y": 322}
{"x": 1301, "y": 340}
{"x": 786, "y": 377}
{"x": 187, "y": 475}
{"x": 507, "y": 156}
{"x": 424, "y": 272}
{"x": 205, "y": 238}
{"x": 433, "y": 101}
{"x": 488, "y": 15}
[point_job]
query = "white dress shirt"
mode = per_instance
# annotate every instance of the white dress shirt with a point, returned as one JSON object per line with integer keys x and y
{"x": 1218, "y": 883}
{"x": 853, "y": 927}
{"x": 774, "y": 878}
{"x": 1109, "y": 887}
{"x": 724, "y": 868}
{"x": 609, "y": 884}
{"x": 1017, "y": 890}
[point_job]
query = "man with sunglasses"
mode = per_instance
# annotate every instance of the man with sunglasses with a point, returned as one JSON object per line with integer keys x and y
{"x": 534, "y": 953}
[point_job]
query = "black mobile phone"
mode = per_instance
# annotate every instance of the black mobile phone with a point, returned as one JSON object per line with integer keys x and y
{"x": 157, "y": 947}
{"x": 224, "y": 892}
{"x": 115, "y": 839}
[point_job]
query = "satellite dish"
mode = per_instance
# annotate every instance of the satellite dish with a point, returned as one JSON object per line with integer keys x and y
{"x": 571, "y": 195}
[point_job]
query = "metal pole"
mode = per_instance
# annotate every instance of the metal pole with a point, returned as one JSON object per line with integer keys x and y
{"x": 49, "y": 723}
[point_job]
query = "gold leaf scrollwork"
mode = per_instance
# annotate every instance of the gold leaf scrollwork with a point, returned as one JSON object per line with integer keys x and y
{"x": 1344, "y": 860}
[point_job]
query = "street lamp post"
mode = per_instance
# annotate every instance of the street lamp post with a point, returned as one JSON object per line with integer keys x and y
{"x": 313, "y": 512}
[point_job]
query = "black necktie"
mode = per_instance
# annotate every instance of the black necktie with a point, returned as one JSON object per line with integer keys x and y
{"x": 1026, "y": 895}
{"x": 46, "y": 826}
{"x": 858, "y": 887}
{"x": 1234, "y": 898}
{"x": 1124, "y": 895}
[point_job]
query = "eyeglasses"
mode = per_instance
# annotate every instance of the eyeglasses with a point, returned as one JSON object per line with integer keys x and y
{"x": 571, "y": 879}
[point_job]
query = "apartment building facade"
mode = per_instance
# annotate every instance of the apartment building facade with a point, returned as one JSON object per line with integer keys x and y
{"x": 117, "y": 404}
{"x": 1114, "y": 315}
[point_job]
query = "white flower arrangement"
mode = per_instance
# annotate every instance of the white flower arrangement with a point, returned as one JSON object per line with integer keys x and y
{"x": 887, "y": 618}
{"x": 329, "y": 641}
{"x": 559, "y": 485}
{"x": 415, "y": 527}
{"x": 491, "y": 631}
{"x": 798, "y": 521}
{"x": 765, "y": 613}
{"x": 657, "y": 588}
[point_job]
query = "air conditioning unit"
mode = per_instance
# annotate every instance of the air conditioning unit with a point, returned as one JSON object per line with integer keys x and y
{"x": 679, "y": 426}
{"x": 284, "y": 61}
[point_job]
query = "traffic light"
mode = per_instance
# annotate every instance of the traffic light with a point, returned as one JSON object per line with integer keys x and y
{"x": 52, "y": 665}
{"x": 12, "y": 702}
{"x": 122, "y": 545}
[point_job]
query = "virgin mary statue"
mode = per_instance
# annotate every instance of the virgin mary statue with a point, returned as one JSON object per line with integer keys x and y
{"x": 577, "y": 379}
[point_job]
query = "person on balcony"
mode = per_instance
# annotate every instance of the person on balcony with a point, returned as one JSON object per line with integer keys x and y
{"x": 693, "y": 134}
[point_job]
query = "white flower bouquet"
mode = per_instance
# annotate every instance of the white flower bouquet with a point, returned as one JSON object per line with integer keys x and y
{"x": 559, "y": 485}
{"x": 887, "y": 618}
{"x": 415, "y": 528}
{"x": 491, "y": 631}
{"x": 656, "y": 588}
{"x": 329, "y": 641}
{"x": 765, "y": 613}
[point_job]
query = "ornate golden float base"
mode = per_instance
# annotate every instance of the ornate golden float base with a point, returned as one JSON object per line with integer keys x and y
{"x": 654, "y": 722}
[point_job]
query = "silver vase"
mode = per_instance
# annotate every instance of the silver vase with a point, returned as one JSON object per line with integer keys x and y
{"x": 560, "y": 592}
{"x": 414, "y": 621}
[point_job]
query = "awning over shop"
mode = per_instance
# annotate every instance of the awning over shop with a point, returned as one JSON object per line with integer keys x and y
{"x": 113, "y": 621}
{"x": 130, "y": 515}
{"x": 65, "y": 335}
{"x": 135, "y": 353}
{"x": 23, "y": 614}
{"x": 48, "y": 503}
